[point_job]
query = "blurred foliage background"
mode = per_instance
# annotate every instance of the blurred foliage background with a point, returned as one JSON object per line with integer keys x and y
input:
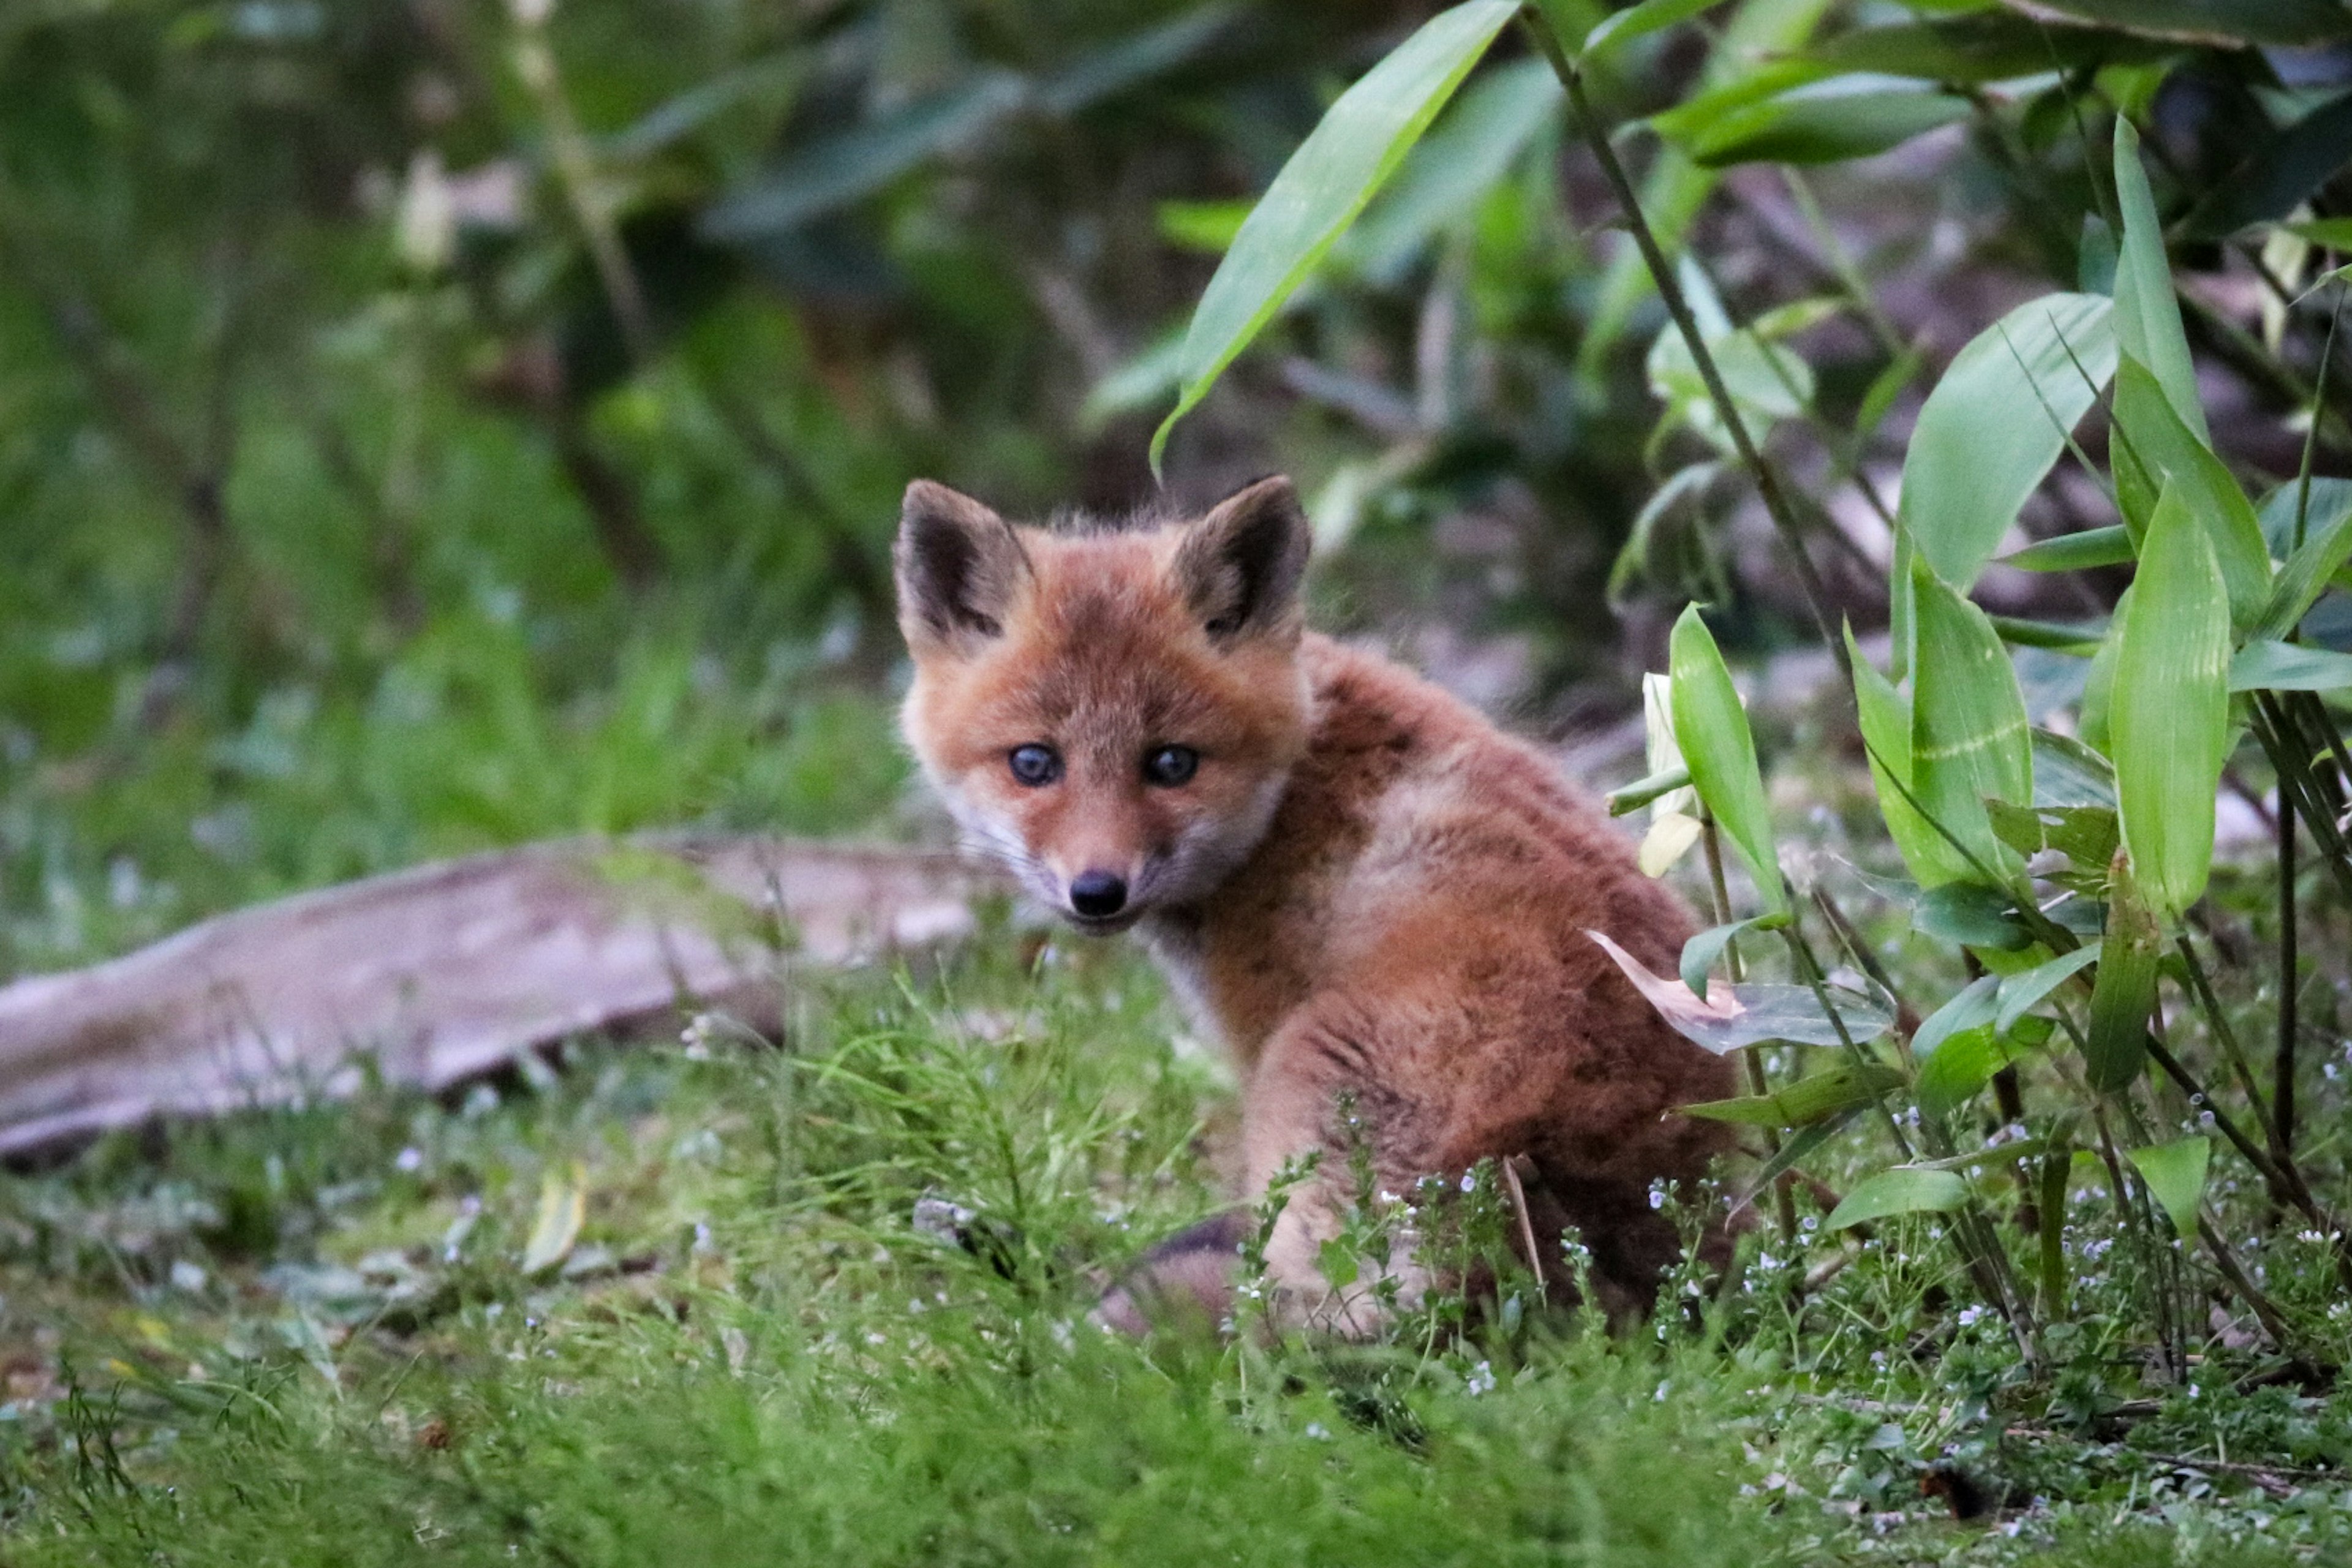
{"x": 427, "y": 425}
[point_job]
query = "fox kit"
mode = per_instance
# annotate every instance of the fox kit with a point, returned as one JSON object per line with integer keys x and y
{"x": 1374, "y": 896}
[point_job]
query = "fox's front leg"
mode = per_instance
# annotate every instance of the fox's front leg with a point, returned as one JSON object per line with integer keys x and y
{"x": 1313, "y": 1096}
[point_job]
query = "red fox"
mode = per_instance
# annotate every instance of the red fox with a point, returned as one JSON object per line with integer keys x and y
{"x": 1371, "y": 893}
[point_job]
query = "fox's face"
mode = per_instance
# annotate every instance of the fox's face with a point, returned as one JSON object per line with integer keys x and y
{"x": 1112, "y": 713}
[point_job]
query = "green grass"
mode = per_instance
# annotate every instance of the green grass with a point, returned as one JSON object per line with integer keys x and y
{"x": 306, "y": 1337}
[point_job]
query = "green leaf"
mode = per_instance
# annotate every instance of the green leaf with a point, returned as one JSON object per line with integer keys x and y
{"x": 2310, "y": 565}
{"x": 1798, "y": 1146}
{"x": 1885, "y": 717}
{"x": 1344, "y": 160}
{"x": 1481, "y": 140}
{"x": 2163, "y": 451}
{"x": 2288, "y": 667}
{"x": 1767, "y": 382}
{"x": 1825, "y": 123}
{"x": 1643, "y": 792}
{"x": 1973, "y": 1008}
{"x": 2147, "y": 319}
{"x": 2067, "y": 772}
{"x": 1700, "y": 951}
{"x": 2024, "y": 991}
{"x": 1984, "y": 441}
{"x": 1129, "y": 61}
{"x": 2124, "y": 994}
{"x": 1711, "y": 728}
{"x": 2087, "y": 834}
{"x": 2109, "y": 546}
{"x": 2222, "y": 22}
{"x": 2099, "y": 685}
{"x": 2081, "y": 638}
{"x": 1733, "y": 1018}
{"x": 1620, "y": 28}
{"x": 2175, "y": 1174}
{"x": 1902, "y": 1190}
{"x": 1811, "y": 1098}
{"x": 1971, "y": 915}
{"x": 2169, "y": 711}
{"x": 1970, "y": 738}
{"x": 1965, "y": 1062}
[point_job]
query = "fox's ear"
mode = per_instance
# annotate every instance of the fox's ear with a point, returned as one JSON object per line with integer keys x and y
{"x": 958, "y": 567}
{"x": 1241, "y": 565}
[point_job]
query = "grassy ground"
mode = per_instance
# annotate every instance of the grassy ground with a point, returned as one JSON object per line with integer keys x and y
{"x": 669, "y": 1304}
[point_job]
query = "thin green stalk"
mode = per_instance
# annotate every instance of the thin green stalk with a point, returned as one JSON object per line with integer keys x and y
{"x": 2290, "y": 990}
{"x": 1759, "y": 1082}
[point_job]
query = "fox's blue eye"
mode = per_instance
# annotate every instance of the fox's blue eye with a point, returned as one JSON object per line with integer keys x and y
{"x": 1171, "y": 766}
{"x": 1035, "y": 766}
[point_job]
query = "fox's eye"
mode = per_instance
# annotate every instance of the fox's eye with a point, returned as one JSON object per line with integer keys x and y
{"x": 1035, "y": 766}
{"x": 1171, "y": 766}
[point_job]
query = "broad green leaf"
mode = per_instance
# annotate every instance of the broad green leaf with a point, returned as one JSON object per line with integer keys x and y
{"x": 1971, "y": 915}
{"x": 1970, "y": 738}
{"x": 1885, "y": 718}
{"x": 1811, "y": 1098}
{"x": 1689, "y": 484}
{"x": 2067, "y": 772}
{"x": 1346, "y": 158}
{"x": 1700, "y": 951}
{"x": 1622, "y": 27}
{"x": 1798, "y": 1146}
{"x": 1767, "y": 382}
{"x": 1481, "y": 137}
{"x": 2087, "y": 834}
{"x": 2175, "y": 1174}
{"x": 1902, "y": 1190}
{"x": 2109, "y": 546}
{"x": 833, "y": 172}
{"x": 2326, "y": 521}
{"x": 1965, "y": 1062}
{"x": 2289, "y": 667}
{"x": 2169, "y": 715}
{"x": 2123, "y": 993}
{"x": 1711, "y": 729}
{"x": 1823, "y": 122}
{"x": 2099, "y": 685}
{"x": 1974, "y": 1007}
{"x": 2162, "y": 451}
{"x": 1994, "y": 424}
{"x": 1736, "y": 1016}
{"x": 562, "y": 1208}
{"x": 2147, "y": 319}
{"x": 2023, "y": 991}
{"x": 2223, "y": 22}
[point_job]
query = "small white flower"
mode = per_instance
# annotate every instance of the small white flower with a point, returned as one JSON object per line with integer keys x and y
{"x": 1481, "y": 1380}
{"x": 409, "y": 1159}
{"x": 1317, "y": 1430}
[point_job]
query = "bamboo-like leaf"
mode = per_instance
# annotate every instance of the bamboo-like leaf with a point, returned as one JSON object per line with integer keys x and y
{"x": 2169, "y": 715}
{"x": 2157, "y": 449}
{"x": 1885, "y": 717}
{"x": 1622, "y": 27}
{"x": 1969, "y": 737}
{"x": 1973, "y": 1008}
{"x": 1733, "y": 1018}
{"x": 2024, "y": 991}
{"x": 1711, "y": 729}
{"x": 1964, "y": 1063}
{"x": 1700, "y": 951}
{"x": 1996, "y": 421}
{"x": 2123, "y": 995}
{"x": 2109, "y": 546}
{"x": 2147, "y": 319}
{"x": 2289, "y": 667}
{"x": 2067, "y": 772}
{"x": 2175, "y": 1174}
{"x": 1811, "y": 1098}
{"x": 1823, "y": 122}
{"x": 1344, "y": 160}
{"x": 1903, "y": 1190}
{"x": 2310, "y": 565}
{"x": 1972, "y": 915}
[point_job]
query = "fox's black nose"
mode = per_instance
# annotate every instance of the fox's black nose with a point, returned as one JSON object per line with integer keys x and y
{"x": 1097, "y": 895}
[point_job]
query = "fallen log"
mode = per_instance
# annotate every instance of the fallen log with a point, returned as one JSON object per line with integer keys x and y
{"x": 438, "y": 974}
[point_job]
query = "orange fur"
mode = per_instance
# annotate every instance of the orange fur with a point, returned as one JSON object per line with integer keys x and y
{"x": 1366, "y": 889}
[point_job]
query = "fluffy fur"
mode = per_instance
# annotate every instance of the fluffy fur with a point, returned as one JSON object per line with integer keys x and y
{"x": 1366, "y": 889}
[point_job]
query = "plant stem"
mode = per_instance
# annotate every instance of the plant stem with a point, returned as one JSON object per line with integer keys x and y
{"x": 1662, "y": 273}
{"x": 2283, "y": 1064}
{"x": 1758, "y": 1083}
